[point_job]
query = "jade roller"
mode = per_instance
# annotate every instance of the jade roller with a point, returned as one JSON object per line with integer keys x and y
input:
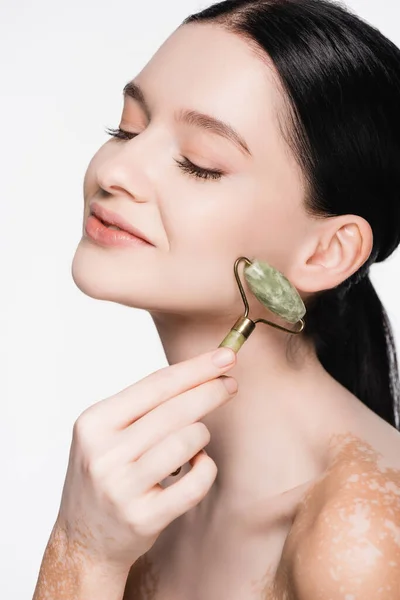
{"x": 274, "y": 291}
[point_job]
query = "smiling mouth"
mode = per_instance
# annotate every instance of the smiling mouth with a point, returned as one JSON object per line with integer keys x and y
{"x": 111, "y": 235}
{"x": 109, "y": 221}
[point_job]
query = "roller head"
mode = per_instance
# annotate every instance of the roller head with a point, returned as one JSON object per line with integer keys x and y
{"x": 274, "y": 291}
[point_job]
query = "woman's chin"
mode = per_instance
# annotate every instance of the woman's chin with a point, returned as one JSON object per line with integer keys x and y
{"x": 93, "y": 276}
{"x": 101, "y": 276}
{"x": 87, "y": 281}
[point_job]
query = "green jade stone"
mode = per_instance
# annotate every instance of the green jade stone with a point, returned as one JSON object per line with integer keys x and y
{"x": 234, "y": 340}
{"x": 274, "y": 291}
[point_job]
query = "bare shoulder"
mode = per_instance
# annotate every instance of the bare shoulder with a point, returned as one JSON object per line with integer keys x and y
{"x": 345, "y": 539}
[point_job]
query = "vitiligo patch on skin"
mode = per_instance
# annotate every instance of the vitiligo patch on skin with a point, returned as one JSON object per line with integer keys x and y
{"x": 345, "y": 541}
{"x": 66, "y": 566}
{"x": 68, "y": 573}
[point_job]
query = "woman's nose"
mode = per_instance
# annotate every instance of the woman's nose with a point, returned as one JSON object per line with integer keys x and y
{"x": 131, "y": 167}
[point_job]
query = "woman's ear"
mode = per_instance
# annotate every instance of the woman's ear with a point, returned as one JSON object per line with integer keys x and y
{"x": 335, "y": 250}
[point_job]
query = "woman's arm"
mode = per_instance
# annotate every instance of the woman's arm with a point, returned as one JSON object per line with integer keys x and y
{"x": 67, "y": 573}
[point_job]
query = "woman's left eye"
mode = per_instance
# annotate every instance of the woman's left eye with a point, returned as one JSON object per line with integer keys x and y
{"x": 186, "y": 165}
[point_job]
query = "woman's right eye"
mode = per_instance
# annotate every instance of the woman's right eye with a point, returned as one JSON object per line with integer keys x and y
{"x": 186, "y": 165}
{"x": 120, "y": 133}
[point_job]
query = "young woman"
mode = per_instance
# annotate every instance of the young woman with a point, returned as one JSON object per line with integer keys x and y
{"x": 268, "y": 129}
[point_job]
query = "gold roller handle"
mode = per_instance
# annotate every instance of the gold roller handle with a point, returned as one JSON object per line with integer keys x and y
{"x": 238, "y": 334}
{"x": 244, "y": 326}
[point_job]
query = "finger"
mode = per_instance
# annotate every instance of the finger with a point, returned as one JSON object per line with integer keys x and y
{"x": 165, "y": 457}
{"x": 138, "y": 399}
{"x": 169, "y": 417}
{"x": 175, "y": 500}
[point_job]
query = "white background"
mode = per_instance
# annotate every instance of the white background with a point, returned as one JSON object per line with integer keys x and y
{"x": 63, "y": 67}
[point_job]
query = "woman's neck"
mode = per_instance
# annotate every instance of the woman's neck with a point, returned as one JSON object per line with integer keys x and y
{"x": 272, "y": 435}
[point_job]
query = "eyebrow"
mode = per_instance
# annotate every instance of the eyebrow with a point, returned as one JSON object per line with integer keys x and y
{"x": 191, "y": 117}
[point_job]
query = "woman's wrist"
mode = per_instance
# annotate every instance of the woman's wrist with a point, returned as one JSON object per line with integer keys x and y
{"x": 68, "y": 573}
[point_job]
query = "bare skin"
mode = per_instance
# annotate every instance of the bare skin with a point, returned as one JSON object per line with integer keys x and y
{"x": 280, "y": 438}
{"x": 316, "y": 541}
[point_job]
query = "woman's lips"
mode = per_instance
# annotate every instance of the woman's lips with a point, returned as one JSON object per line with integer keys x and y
{"x": 104, "y": 235}
{"x": 111, "y": 218}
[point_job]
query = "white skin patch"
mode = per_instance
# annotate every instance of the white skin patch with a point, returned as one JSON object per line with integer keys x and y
{"x": 345, "y": 539}
{"x": 395, "y": 529}
{"x": 359, "y": 520}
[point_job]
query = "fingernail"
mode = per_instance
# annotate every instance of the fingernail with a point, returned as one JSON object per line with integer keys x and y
{"x": 230, "y": 383}
{"x": 223, "y": 357}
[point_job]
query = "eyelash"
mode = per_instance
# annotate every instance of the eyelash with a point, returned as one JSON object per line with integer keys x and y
{"x": 186, "y": 166}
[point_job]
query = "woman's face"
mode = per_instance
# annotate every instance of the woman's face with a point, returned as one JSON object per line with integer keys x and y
{"x": 198, "y": 226}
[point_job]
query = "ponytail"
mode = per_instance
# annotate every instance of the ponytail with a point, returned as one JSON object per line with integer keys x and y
{"x": 355, "y": 344}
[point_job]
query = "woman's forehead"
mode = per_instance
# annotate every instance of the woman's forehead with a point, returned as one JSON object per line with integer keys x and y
{"x": 204, "y": 68}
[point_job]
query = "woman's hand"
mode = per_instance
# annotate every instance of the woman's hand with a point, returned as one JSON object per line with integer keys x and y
{"x": 113, "y": 506}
